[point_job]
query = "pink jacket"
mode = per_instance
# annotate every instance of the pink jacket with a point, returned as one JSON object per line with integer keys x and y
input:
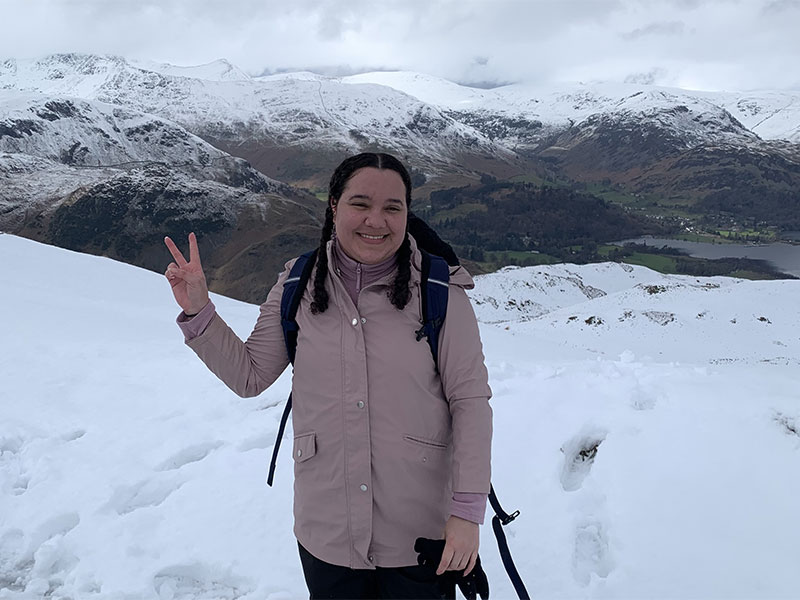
{"x": 381, "y": 441}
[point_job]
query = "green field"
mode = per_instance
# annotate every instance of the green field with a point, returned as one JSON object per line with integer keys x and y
{"x": 662, "y": 264}
{"x": 458, "y": 211}
{"x": 497, "y": 259}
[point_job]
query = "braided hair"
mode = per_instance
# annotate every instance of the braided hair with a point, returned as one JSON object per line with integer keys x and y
{"x": 399, "y": 293}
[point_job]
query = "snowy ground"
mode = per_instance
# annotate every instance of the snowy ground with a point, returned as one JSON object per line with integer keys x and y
{"x": 647, "y": 427}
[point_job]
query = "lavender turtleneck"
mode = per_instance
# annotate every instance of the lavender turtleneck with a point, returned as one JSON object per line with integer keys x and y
{"x": 355, "y": 275}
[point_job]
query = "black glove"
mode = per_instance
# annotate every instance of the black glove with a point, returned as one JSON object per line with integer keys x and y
{"x": 473, "y": 585}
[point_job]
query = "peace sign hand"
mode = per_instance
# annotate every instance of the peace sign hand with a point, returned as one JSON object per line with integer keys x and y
{"x": 186, "y": 278}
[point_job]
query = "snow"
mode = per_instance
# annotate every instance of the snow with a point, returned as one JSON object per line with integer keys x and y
{"x": 218, "y": 70}
{"x": 299, "y": 109}
{"x": 650, "y": 456}
{"x": 97, "y": 134}
{"x": 770, "y": 114}
{"x": 302, "y": 106}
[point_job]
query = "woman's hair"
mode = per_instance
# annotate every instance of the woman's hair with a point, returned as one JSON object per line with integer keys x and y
{"x": 399, "y": 294}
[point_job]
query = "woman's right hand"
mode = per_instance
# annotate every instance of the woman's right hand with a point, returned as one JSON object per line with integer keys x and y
{"x": 186, "y": 278}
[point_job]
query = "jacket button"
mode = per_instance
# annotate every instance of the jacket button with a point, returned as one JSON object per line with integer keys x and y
{"x": 354, "y": 322}
{"x": 360, "y": 404}
{"x": 363, "y": 487}
{"x": 363, "y": 320}
{"x": 371, "y": 558}
{"x": 299, "y": 453}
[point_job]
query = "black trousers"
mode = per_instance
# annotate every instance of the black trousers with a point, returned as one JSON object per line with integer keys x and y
{"x": 417, "y": 582}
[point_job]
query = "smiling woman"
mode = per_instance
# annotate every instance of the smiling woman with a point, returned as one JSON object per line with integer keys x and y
{"x": 388, "y": 448}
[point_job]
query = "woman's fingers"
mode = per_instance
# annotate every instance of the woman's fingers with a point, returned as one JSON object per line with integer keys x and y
{"x": 447, "y": 558}
{"x": 190, "y": 276}
{"x": 174, "y": 270}
{"x": 194, "y": 252}
{"x": 471, "y": 564}
{"x": 176, "y": 254}
{"x": 461, "y": 545}
{"x": 453, "y": 562}
{"x": 175, "y": 275}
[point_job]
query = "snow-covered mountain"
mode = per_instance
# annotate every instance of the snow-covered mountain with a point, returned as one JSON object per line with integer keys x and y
{"x": 646, "y": 426}
{"x": 276, "y": 110}
{"x": 770, "y": 115}
{"x": 612, "y": 308}
{"x": 676, "y": 145}
{"x": 90, "y": 133}
{"x": 428, "y": 118}
{"x": 109, "y": 179}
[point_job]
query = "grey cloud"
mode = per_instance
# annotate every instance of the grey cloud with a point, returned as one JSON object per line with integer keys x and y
{"x": 690, "y": 4}
{"x": 781, "y": 6}
{"x": 670, "y": 28}
{"x": 722, "y": 43}
{"x": 653, "y": 77}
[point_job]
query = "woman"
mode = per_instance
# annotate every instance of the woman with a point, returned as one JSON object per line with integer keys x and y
{"x": 386, "y": 449}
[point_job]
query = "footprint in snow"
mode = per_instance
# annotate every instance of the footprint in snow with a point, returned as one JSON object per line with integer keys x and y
{"x": 191, "y": 581}
{"x": 149, "y": 493}
{"x": 257, "y": 442}
{"x": 14, "y": 478}
{"x": 591, "y": 553}
{"x": 73, "y": 436}
{"x": 579, "y": 455}
{"x": 188, "y": 455}
{"x": 37, "y": 563}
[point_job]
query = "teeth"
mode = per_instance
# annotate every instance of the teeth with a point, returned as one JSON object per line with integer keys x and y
{"x": 372, "y": 237}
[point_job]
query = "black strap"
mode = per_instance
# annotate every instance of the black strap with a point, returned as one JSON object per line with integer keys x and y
{"x": 281, "y": 428}
{"x": 293, "y": 289}
{"x": 500, "y": 519}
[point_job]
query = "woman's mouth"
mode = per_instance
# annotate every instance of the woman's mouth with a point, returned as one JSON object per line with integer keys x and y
{"x": 376, "y": 238}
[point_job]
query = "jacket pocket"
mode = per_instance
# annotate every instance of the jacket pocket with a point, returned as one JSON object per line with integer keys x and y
{"x": 427, "y": 443}
{"x": 305, "y": 446}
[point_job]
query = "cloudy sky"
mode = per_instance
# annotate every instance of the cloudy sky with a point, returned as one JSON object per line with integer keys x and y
{"x": 695, "y": 44}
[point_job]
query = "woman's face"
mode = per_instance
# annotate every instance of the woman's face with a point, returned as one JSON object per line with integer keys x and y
{"x": 370, "y": 216}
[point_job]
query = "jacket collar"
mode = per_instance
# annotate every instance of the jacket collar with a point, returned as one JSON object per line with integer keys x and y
{"x": 458, "y": 275}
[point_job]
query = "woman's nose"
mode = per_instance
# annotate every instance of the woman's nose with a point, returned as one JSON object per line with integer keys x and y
{"x": 374, "y": 218}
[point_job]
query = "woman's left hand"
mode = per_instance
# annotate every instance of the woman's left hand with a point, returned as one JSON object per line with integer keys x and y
{"x": 462, "y": 539}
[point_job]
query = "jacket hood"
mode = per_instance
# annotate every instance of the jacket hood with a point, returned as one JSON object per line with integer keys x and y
{"x": 459, "y": 276}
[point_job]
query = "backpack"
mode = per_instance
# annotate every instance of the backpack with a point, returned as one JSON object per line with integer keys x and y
{"x": 434, "y": 291}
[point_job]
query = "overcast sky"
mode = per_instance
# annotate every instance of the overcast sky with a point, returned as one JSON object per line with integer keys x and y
{"x": 695, "y": 44}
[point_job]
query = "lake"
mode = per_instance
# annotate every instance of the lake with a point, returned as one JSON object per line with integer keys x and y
{"x": 784, "y": 257}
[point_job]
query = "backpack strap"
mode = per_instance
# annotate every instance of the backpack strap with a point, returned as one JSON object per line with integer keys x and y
{"x": 500, "y": 519}
{"x": 434, "y": 292}
{"x": 293, "y": 289}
